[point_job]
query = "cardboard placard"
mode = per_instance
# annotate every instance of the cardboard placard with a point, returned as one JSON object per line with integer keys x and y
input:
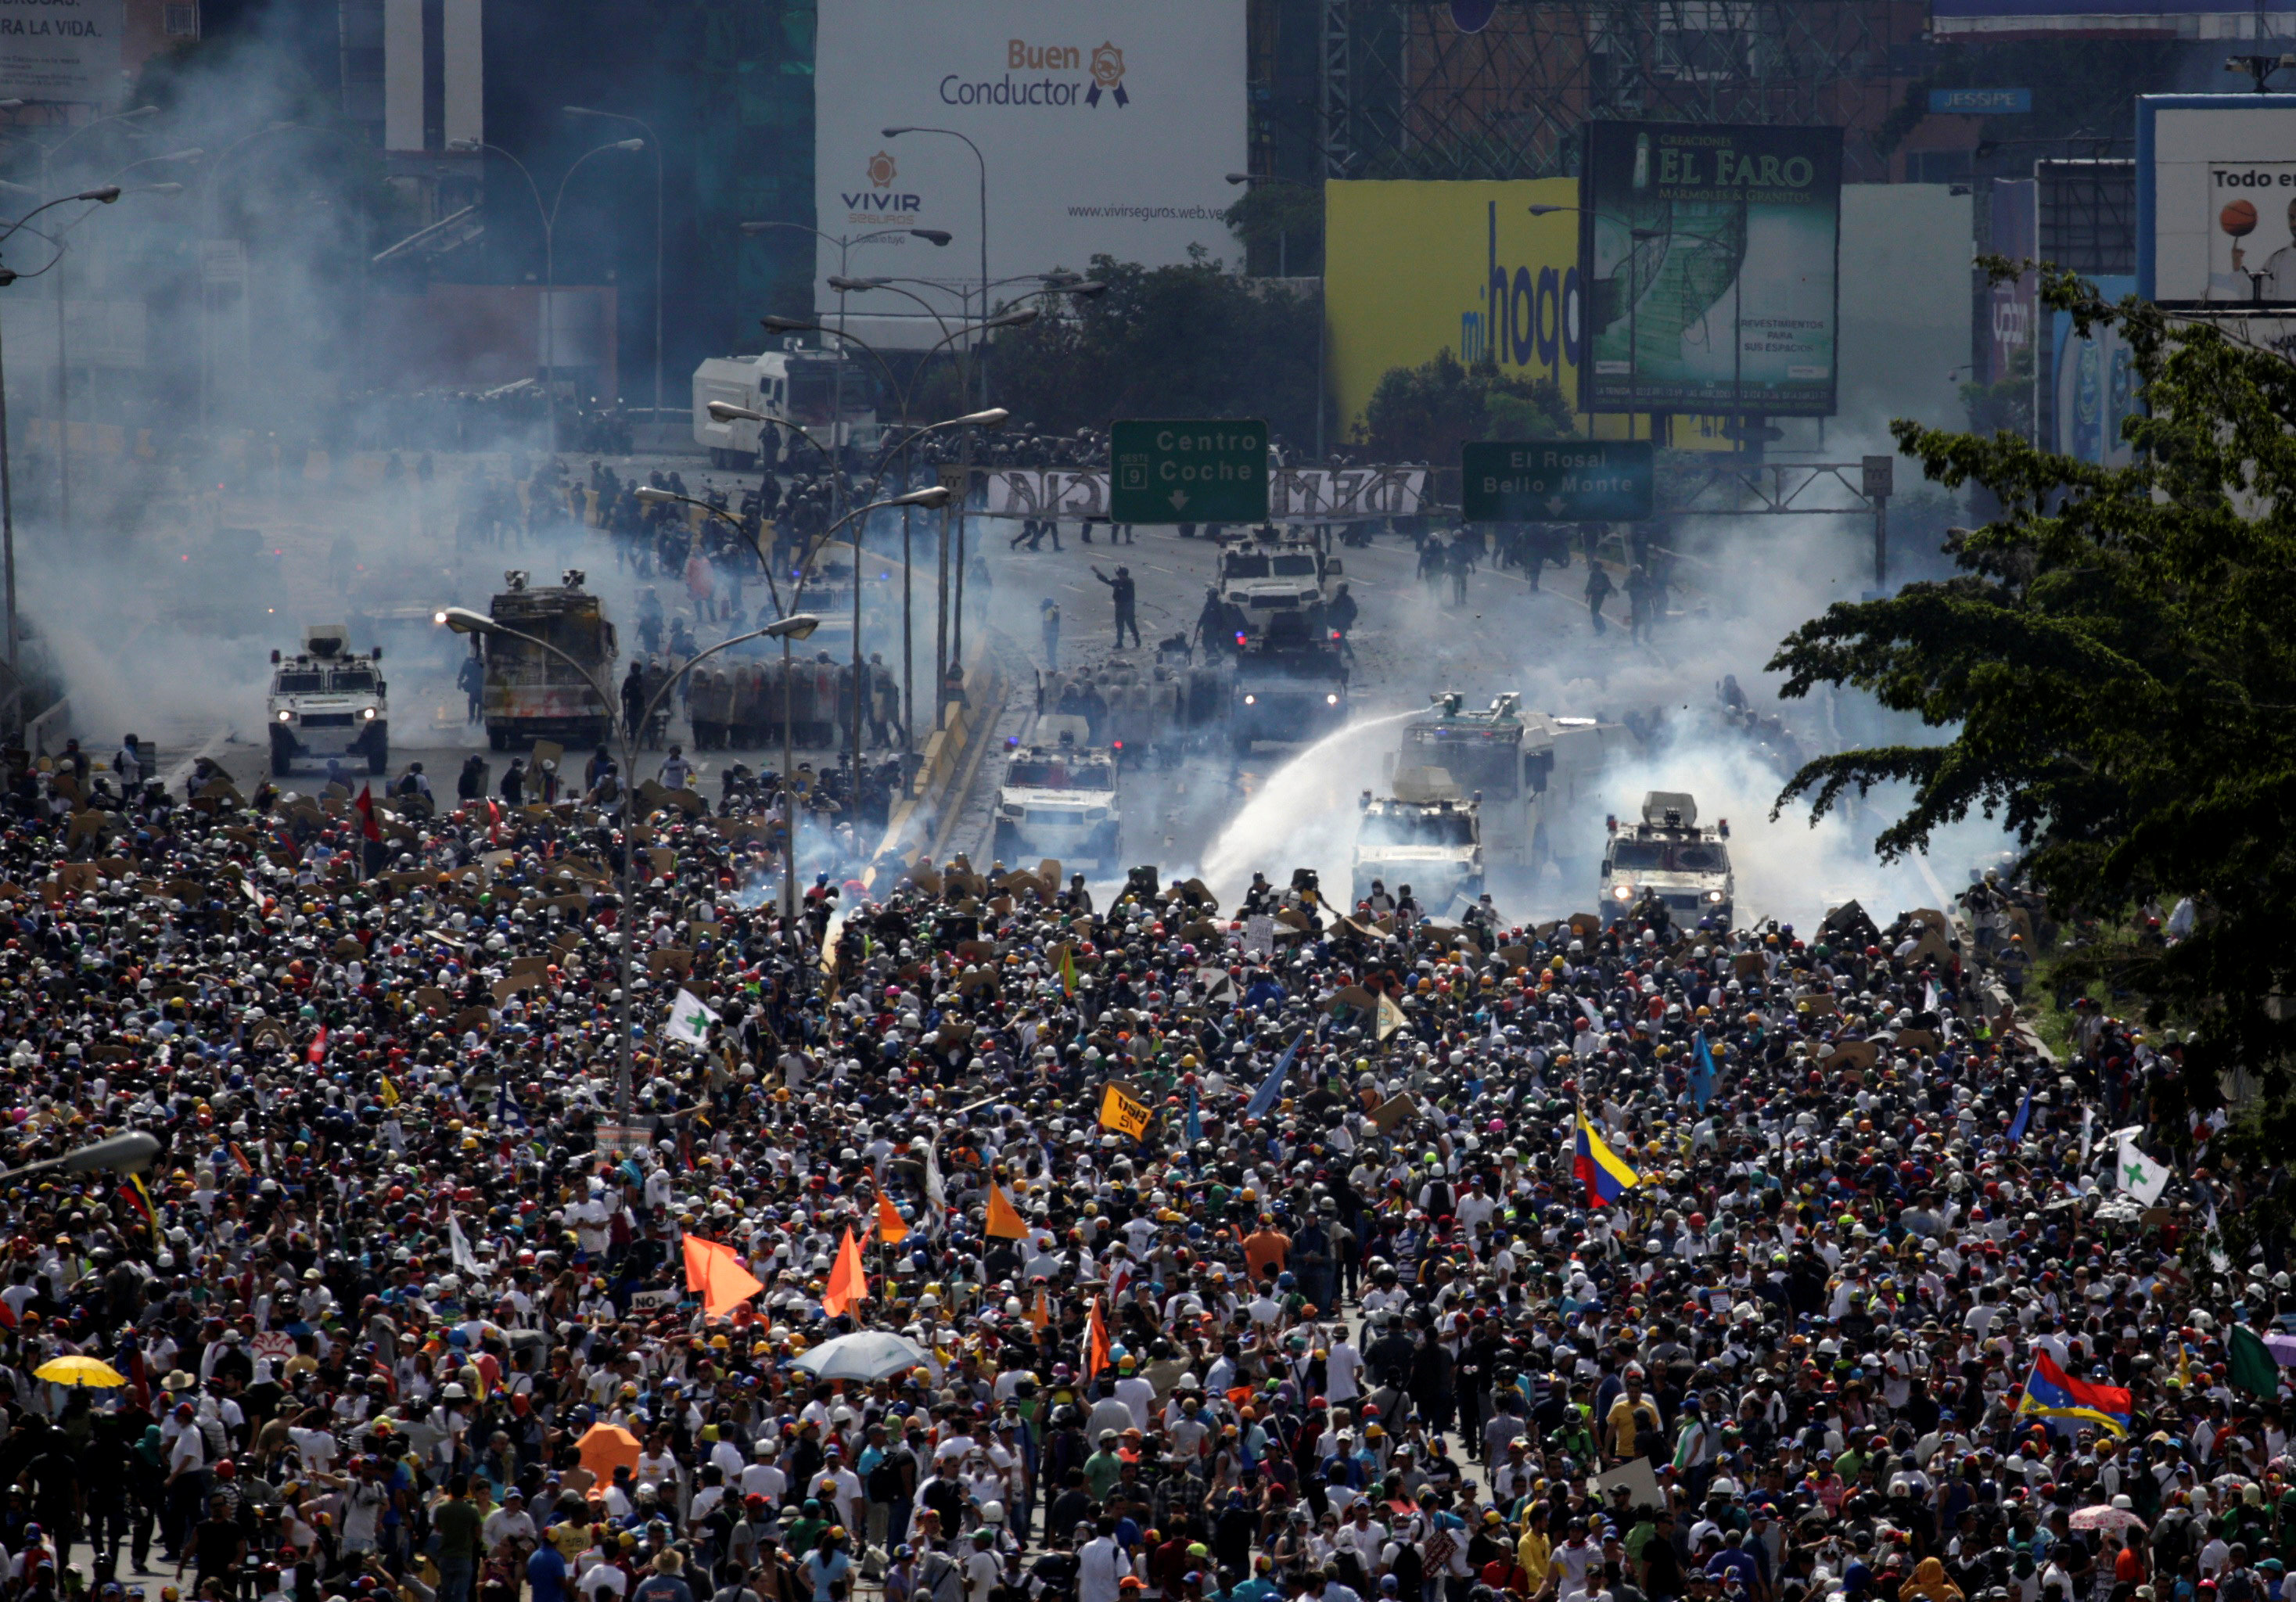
{"x": 431, "y": 998}
{"x": 1821, "y": 1004}
{"x": 471, "y": 1018}
{"x": 1747, "y": 965}
{"x": 1931, "y": 948}
{"x": 1392, "y": 1113}
{"x": 1918, "y": 1039}
{"x": 1637, "y": 1479}
{"x": 1851, "y": 1053}
{"x": 1584, "y": 925}
{"x": 511, "y": 984}
{"x": 670, "y": 959}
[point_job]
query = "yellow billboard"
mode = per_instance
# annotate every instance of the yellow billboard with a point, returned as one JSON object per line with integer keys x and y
{"x": 1413, "y": 268}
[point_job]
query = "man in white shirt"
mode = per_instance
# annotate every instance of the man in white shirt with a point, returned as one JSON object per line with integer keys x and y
{"x": 1101, "y": 1566}
{"x": 509, "y": 1529}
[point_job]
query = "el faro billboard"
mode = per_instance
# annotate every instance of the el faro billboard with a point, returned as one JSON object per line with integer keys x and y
{"x": 1414, "y": 268}
{"x": 1083, "y": 128}
{"x": 1710, "y": 263}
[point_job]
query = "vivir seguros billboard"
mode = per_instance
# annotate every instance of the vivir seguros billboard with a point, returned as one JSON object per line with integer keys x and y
{"x": 1100, "y": 128}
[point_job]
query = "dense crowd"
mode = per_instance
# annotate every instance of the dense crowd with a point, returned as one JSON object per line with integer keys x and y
{"x": 1571, "y": 1262}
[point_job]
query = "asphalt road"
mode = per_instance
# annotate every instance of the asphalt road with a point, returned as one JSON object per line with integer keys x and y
{"x": 325, "y": 557}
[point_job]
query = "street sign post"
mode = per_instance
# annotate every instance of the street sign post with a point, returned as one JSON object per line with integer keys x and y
{"x": 1557, "y": 480}
{"x": 1195, "y": 471}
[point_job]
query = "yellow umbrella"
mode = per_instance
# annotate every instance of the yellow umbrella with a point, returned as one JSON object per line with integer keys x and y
{"x": 89, "y": 1371}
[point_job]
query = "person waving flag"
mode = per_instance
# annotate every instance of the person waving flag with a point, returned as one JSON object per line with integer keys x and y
{"x": 1602, "y": 1170}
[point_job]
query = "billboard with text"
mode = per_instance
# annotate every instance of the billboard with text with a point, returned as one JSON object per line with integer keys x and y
{"x": 1084, "y": 126}
{"x": 2216, "y": 199}
{"x": 1709, "y": 258}
{"x": 1415, "y": 268}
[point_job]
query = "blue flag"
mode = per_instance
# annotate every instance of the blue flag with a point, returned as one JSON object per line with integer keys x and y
{"x": 1271, "y": 1089}
{"x": 507, "y": 1107}
{"x": 1701, "y": 1069}
{"x": 1195, "y": 1124}
{"x": 2024, "y": 1116}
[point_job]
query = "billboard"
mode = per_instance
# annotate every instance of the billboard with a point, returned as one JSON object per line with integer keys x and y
{"x": 1709, "y": 256}
{"x": 2216, "y": 199}
{"x": 2092, "y": 385}
{"x": 1096, "y": 127}
{"x": 61, "y": 50}
{"x": 2154, "y": 19}
{"x": 2015, "y": 232}
{"x": 1412, "y": 268}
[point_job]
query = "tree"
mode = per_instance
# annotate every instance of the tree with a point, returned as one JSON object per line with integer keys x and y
{"x": 1281, "y": 228}
{"x": 1424, "y": 414}
{"x": 1170, "y": 342}
{"x": 2114, "y": 660}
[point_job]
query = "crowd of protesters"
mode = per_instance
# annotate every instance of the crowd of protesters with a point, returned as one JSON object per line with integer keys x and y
{"x": 1566, "y": 1262}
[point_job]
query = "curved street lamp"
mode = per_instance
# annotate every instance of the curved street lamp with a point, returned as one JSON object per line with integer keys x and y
{"x": 462, "y": 620}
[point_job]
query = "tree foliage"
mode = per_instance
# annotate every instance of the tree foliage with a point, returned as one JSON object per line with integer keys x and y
{"x": 2115, "y": 659}
{"x": 1170, "y": 341}
{"x": 1424, "y": 414}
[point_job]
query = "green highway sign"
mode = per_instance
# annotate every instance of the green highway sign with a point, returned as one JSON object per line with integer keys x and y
{"x": 1557, "y": 481}
{"x": 1208, "y": 470}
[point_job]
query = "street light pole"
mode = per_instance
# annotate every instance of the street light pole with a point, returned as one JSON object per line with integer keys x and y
{"x": 48, "y": 154}
{"x": 653, "y": 140}
{"x": 983, "y": 163}
{"x": 933, "y": 496}
{"x": 549, "y": 255}
{"x": 463, "y": 620}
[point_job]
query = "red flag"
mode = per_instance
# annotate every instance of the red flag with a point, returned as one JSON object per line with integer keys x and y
{"x": 319, "y": 1052}
{"x": 365, "y": 805}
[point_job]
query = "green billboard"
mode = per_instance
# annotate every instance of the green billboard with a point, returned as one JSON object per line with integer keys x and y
{"x": 1709, "y": 256}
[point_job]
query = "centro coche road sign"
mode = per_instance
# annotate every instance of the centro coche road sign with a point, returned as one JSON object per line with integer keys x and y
{"x": 1557, "y": 481}
{"x": 1198, "y": 471}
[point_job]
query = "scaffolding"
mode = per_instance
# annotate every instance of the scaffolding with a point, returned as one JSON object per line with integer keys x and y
{"x": 1404, "y": 91}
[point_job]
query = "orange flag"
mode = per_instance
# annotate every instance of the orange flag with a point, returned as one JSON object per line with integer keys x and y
{"x": 891, "y": 1229}
{"x": 847, "y": 1283}
{"x": 712, "y": 1270}
{"x": 1095, "y": 1344}
{"x": 698, "y": 1252}
{"x": 1041, "y": 1314}
{"x": 730, "y": 1284}
{"x": 1003, "y": 1219}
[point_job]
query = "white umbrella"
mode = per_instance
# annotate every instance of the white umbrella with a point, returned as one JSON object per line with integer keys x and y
{"x": 870, "y": 1354}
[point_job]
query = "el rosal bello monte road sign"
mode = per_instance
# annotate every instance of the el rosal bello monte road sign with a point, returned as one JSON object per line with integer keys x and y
{"x": 1557, "y": 481}
{"x": 1193, "y": 471}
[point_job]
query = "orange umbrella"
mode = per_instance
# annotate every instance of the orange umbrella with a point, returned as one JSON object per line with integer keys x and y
{"x": 605, "y": 1448}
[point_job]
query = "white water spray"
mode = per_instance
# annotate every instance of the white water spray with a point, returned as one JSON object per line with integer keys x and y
{"x": 1304, "y": 814}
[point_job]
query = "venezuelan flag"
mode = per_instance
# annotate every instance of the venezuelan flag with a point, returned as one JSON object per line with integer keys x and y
{"x": 1606, "y": 1174}
{"x": 2050, "y": 1392}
